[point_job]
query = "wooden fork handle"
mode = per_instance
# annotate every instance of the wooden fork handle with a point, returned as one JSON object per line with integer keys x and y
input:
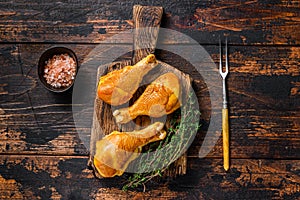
{"x": 225, "y": 133}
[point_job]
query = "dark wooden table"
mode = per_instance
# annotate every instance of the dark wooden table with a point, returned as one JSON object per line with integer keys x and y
{"x": 42, "y": 156}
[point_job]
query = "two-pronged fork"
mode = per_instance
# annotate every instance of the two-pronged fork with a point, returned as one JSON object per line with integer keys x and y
{"x": 225, "y": 123}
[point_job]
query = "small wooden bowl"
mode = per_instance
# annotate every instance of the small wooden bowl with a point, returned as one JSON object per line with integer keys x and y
{"x": 42, "y": 63}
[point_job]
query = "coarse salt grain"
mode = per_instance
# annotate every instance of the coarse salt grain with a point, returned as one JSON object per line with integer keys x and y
{"x": 60, "y": 70}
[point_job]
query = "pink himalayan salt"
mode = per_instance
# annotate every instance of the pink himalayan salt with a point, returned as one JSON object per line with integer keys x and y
{"x": 60, "y": 71}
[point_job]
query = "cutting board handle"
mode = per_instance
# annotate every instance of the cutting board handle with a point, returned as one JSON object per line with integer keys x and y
{"x": 146, "y": 20}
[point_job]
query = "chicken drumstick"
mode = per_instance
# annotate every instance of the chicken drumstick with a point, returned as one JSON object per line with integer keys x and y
{"x": 117, "y": 87}
{"x": 161, "y": 97}
{"x": 115, "y": 151}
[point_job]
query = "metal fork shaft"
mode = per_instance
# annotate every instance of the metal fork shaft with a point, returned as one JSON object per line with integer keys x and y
{"x": 224, "y": 94}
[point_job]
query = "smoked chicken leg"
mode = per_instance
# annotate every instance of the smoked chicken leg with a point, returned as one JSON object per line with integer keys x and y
{"x": 115, "y": 151}
{"x": 117, "y": 87}
{"x": 161, "y": 97}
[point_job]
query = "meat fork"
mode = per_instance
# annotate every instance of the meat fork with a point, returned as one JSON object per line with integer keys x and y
{"x": 225, "y": 123}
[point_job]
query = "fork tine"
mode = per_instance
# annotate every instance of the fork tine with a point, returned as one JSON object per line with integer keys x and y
{"x": 220, "y": 55}
{"x": 226, "y": 57}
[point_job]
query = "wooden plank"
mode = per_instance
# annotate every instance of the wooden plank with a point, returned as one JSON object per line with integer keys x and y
{"x": 264, "y": 124}
{"x": 249, "y": 22}
{"x": 57, "y": 177}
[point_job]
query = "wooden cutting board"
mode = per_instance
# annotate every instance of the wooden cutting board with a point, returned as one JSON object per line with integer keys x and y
{"x": 103, "y": 120}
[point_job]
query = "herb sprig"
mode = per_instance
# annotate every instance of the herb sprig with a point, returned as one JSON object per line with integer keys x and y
{"x": 180, "y": 135}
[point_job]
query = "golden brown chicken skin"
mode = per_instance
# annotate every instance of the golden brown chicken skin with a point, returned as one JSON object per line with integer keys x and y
{"x": 161, "y": 97}
{"x": 118, "y": 87}
{"x": 115, "y": 151}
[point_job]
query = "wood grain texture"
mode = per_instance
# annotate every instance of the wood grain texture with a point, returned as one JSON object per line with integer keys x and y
{"x": 248, "y": 22}
{"x": 146, "y": 21}
{"x": 66, "y": 177}
{"x": 264, "y": 109}
{"x": 42, "y": 155}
